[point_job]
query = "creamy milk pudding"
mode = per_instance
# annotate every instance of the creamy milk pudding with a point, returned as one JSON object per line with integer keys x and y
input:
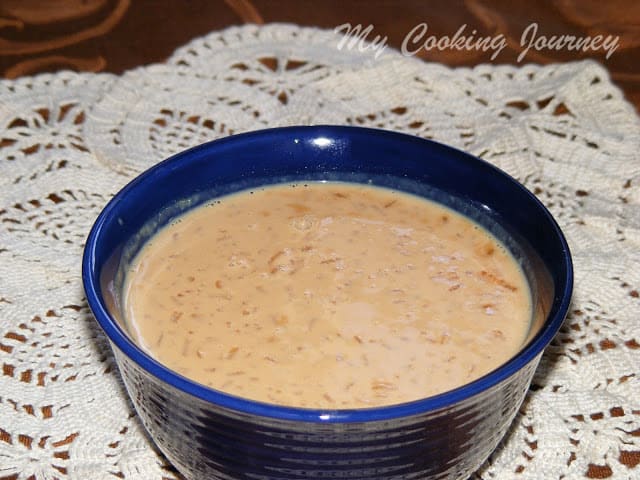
{"x": 327, "y": 295}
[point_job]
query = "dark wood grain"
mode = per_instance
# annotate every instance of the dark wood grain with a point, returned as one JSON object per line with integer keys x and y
{"x": 117, "y": 35}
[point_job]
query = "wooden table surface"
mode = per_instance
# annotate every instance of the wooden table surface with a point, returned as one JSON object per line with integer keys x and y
{"x": 116, "y": 35}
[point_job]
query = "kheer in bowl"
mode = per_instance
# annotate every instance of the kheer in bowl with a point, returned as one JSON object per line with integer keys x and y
{"x": 326, "y": 302}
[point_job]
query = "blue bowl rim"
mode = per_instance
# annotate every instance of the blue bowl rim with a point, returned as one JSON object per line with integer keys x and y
{"x": 120, "y": 339}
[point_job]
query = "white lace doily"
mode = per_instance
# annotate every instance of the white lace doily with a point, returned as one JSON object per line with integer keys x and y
{"x": 69, "y": 141}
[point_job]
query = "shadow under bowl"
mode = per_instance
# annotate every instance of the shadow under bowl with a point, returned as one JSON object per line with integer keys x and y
{"x": 206, "y": 433}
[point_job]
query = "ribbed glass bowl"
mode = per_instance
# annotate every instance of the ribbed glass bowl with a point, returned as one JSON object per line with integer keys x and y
{"x": 206, "y": 433}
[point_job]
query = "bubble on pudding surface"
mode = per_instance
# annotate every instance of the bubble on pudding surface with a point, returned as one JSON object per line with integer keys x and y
{"x": 303, "y": 223}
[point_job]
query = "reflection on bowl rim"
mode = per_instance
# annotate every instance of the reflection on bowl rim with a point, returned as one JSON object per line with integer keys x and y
{"x": 121, "y": 339}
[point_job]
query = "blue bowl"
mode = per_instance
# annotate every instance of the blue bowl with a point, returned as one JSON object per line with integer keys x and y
{"x": 206, "y": 433}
